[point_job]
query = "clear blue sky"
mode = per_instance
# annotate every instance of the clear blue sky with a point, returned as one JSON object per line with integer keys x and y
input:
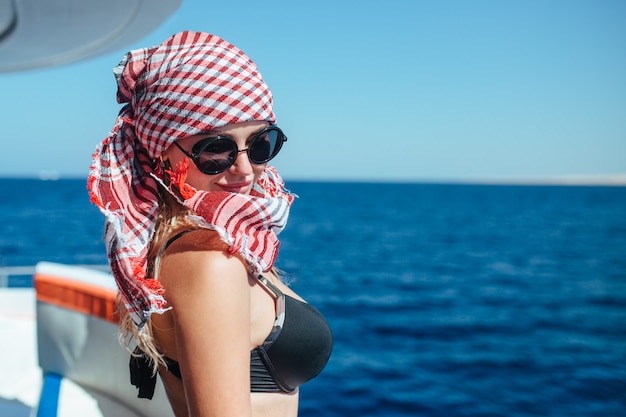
{"x": 393, "y": 90}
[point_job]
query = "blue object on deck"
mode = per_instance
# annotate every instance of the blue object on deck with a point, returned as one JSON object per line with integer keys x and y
{"x": 49, "y": 400}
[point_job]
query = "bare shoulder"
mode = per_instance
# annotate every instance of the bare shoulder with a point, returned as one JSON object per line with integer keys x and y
{"x": 196, "y": 240}
{"x": 196, "y": 252}
{"x": 199, "y": 258}
{"x": 198, "y": 274}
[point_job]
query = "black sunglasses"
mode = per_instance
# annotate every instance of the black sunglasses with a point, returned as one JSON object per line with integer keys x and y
{"x": 216, "y": 154}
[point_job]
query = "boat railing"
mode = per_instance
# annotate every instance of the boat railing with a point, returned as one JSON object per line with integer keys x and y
{"x": 16, "y": 271}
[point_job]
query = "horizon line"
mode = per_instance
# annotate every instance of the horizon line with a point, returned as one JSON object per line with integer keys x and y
{"x": 617, "y": 180}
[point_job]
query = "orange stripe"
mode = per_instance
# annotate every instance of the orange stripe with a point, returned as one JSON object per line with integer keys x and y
{"x": 77, "y": 296}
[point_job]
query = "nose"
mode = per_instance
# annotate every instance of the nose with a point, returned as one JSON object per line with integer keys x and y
{"x": 242, "y": 164}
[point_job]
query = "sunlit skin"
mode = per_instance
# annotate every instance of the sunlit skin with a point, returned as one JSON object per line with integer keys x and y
{"x": 219, "y": 312}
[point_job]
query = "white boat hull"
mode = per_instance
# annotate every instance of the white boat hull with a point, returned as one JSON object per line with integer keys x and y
{"x": 61, "y": 355}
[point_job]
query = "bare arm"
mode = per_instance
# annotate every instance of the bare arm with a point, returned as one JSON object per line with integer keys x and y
{"x": 210, "y": 296}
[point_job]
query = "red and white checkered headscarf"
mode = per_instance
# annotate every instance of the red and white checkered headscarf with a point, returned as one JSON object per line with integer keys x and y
{"x": 192, "y": 83}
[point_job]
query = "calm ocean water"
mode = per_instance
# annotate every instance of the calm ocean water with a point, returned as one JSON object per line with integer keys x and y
{"x": 445, "y": 300}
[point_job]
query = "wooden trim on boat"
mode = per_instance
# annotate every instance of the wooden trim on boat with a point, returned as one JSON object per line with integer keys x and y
{"x": 77, "y": 296}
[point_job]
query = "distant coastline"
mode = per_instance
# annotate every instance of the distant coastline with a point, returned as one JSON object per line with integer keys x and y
{"x": 616, "y": 180}
{"x": 573, "y": 180}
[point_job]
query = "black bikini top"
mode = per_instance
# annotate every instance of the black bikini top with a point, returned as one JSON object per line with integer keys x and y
{"x": 295, "y": 351}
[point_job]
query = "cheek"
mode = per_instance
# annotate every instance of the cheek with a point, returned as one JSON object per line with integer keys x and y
{"x": 201, "y": 181}
{"x": 257, "y": 170}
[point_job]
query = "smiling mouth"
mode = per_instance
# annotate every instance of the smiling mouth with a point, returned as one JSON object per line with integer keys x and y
{"x": 235, "y": 188}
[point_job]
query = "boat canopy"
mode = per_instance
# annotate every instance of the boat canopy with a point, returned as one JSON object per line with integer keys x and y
{"x": 43, "y": 33}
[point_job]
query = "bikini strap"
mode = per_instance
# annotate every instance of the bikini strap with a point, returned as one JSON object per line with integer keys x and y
{"x": 270, "y": 286}
{"x": 177, "y": 236}
{"x": 280, "y": 312}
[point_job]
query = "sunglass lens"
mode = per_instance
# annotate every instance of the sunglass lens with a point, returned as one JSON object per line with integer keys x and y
{"x": 265, "y": 146}
{"x": 216, "y": 155}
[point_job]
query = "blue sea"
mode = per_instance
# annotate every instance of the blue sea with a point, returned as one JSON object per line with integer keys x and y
{"x": 445, "y": 300}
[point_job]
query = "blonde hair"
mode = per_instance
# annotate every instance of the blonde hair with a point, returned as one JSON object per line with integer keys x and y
{"x": 171, "y": 217}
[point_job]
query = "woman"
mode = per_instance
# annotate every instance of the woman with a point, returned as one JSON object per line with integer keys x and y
{"x": 193, "y": 211}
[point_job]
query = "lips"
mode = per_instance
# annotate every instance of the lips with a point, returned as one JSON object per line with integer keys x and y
{"x": 239, "y": 188}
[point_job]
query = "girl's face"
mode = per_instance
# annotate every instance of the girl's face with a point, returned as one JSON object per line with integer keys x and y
{"x": 239, "y": 177}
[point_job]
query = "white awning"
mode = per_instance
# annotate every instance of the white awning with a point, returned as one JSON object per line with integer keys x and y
{"x": 42, "y": 33}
